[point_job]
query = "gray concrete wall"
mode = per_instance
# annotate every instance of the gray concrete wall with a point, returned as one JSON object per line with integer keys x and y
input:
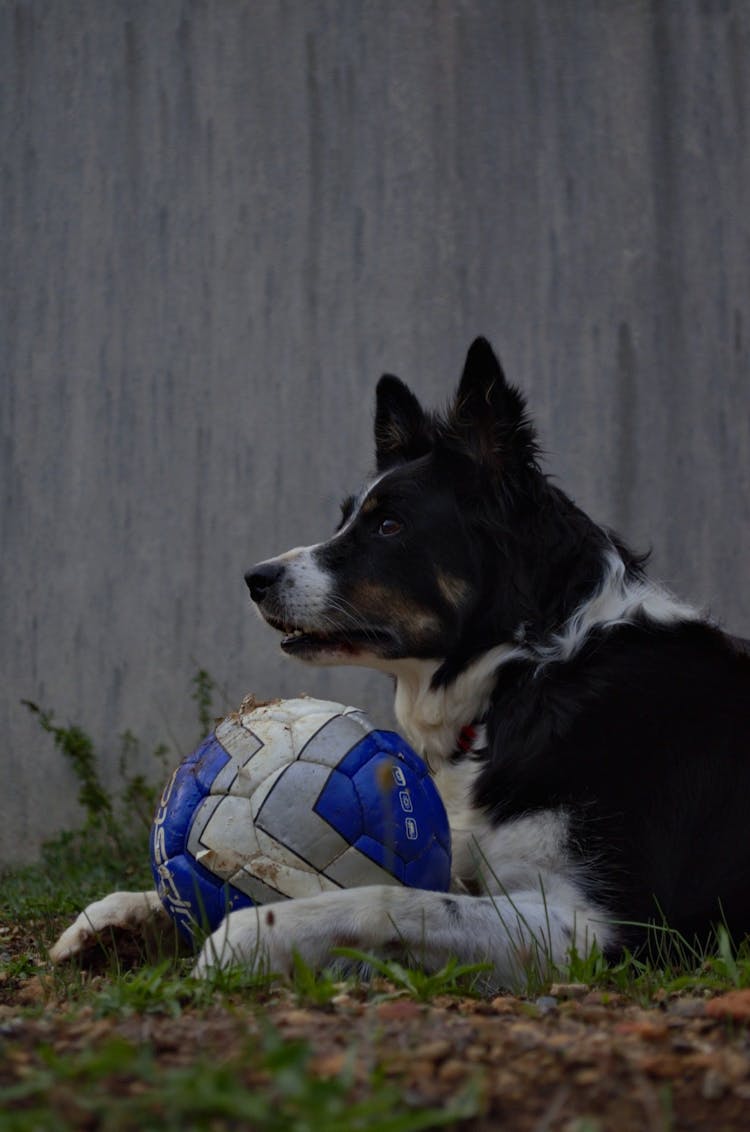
{"x": 222, "y": 220}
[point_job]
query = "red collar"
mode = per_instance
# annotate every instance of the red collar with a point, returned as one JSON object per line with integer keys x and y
{"x": 472, "y": 737}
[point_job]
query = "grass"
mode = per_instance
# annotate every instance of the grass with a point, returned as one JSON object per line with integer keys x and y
{"x": 267, "y": 1085}
{"x": 423, "y": 986}
{"x": 260, "y": 1079}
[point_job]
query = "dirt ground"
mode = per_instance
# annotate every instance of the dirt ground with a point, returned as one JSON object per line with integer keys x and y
{"x": 576, "y": 1059}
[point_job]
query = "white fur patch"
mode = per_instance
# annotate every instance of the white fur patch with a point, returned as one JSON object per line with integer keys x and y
{"x": 618, "y": 601}
{"x": 431, "y": 718}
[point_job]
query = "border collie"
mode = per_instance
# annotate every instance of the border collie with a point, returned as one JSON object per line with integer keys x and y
{"x": 589, "y": 734}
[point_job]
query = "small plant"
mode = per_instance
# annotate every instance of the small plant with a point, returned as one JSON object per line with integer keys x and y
{"x": 139, "y": 796}
{"x": 311, "y": 987}
{"x": 452, "y": 978}
{"x": 78, "y": 749}
{"x": 203, "y": 697}
{"x": 158, "y": 989}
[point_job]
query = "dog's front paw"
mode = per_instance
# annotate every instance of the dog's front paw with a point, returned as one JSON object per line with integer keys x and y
{"x": 249, "y": 938}
{"x": 129, "y": 912}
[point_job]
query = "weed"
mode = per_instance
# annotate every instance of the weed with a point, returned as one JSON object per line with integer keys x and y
{"x": 452, "y": 978}
{"x": 311, "y": 987}
{"x": 202, "y": 695}
{"x": 78, "y": 749}
{"x": 139, "y": 796}
{"x": 147, "y": 990}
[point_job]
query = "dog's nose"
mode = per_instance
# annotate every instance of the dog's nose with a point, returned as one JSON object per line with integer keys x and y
{"x": 261, "y": 578}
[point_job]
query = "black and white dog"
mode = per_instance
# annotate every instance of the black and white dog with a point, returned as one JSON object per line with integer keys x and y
{"x": 589, "y": 734}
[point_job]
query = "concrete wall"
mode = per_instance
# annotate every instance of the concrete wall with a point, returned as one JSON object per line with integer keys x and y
{"x": 221, "y": 221}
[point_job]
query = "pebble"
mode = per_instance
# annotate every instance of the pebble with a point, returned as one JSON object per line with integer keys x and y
{"x": 452, "y": 1070}
{"x": 434, "y": 1051}
{"x": 687, "y": 1007}
{"x": 714, "y": 1085}
{"x": 734, "y": 1004}
{"x": 568, "y": 990}
{"x": 400, "y": 1010}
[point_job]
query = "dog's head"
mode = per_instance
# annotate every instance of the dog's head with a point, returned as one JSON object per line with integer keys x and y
{"x": 434, "y": 557}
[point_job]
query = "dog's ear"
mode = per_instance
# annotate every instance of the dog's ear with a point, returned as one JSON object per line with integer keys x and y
{"x": 489, "y": 415}
{"x": 402, "y": 428}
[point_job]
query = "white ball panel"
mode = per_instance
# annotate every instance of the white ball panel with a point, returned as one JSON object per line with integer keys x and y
{"x": 302, "y": 716}
{"x": 258, "y": 892}
{"x": 281, "y": 869}
{"x": 353, "y": 870}
{"x": 222, "y": 835}
{"x": 331, "y": 742}
{"x": 237, "y": 739}
{"x": 264, "y": 788}
{"x": 287, "y": 814}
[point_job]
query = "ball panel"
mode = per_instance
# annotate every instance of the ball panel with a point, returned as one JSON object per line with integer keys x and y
{"x": 334, "y": 738}
{"x": 261, "y": 756}
{"x": 432, "y": 870}
{"x": 286, "y": 814}
{"x": 390, "y": 799}
{"x": 299, "y": 718}
{"x": 355, "y": 867}
{"x": 339, "y": 806}
{"x": 212, "y": 760}
{"x": 402, "y": 811}
{"x": 237, "y": 739}
{"x": 282, "y": 869}
{"x": 368, "y": 747}
{"x": 258, "y": 892}
{"x": 222, "y": 835}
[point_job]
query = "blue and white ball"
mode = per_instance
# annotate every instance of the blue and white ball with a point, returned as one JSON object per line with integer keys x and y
{"x": 294, "y": 798}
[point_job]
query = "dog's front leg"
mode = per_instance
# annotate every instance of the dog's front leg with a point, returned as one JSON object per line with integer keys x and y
{"x": 134, "y": 913}
{"x": 508, "y": 932}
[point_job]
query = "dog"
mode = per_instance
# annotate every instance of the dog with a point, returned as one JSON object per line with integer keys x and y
{"x": 588, "y": 732}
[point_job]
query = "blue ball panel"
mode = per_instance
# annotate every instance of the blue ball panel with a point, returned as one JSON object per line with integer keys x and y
{"x": 403, "y": 820}
{"x": 192, "y": 895}
{"x": 432, "y": 871}
{"x": 339, "y": 804}
{"x": 211, "y": 758}
{"x": 196, "y": 899}
{"x": 382, "y": 855}
{"x": 188, "y": 786}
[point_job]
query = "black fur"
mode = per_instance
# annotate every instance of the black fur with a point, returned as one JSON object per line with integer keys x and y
{"x": 642, "y": 737}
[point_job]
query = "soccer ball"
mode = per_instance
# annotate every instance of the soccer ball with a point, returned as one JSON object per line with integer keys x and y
{"x": 293, "y": 798}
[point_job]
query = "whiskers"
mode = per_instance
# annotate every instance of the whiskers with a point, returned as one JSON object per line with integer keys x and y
{"x": 352, "y": 620}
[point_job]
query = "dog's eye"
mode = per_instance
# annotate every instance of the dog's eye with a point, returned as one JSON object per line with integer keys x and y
{"x": 390, "y": 527}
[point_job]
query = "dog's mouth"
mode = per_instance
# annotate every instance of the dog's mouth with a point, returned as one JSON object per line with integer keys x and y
{"x": 303, "y": 641}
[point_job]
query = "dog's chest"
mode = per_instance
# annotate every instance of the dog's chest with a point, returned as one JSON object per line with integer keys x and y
{"x": 499, "y": 856}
